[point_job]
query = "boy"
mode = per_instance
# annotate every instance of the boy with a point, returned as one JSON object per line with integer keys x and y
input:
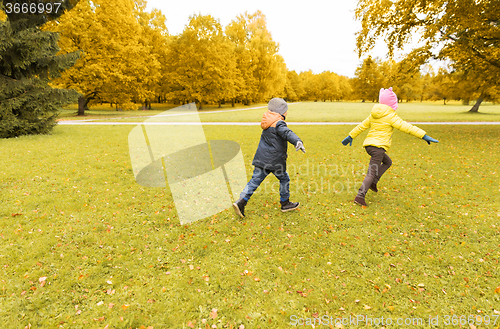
{"x": 382, "y": 121}
{"x": 271, "y": 156}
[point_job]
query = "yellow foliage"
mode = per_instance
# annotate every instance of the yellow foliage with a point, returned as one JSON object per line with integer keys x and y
{"x": 116, "y": 65}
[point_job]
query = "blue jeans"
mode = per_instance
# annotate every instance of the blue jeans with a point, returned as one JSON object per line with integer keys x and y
{"x": 259, "y": 174}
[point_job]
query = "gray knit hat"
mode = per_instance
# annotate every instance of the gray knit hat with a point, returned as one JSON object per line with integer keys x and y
{"x": 277, "y": 105}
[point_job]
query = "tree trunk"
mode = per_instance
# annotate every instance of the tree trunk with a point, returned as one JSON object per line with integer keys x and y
{"x": 220, "y": 104}
{"x": 82, "y": 105}
{"x": 475, "y": 108}
{"x": 232, "y": 102}
{"x": 444, "y": 101}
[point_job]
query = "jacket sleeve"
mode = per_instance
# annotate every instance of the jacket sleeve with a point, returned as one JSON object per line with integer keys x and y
{"x": 360, "y": 128}
{"x": 406, "y": 127}
{"x": 285, "y": 133}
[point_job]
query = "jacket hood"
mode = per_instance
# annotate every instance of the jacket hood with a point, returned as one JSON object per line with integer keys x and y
{"x": 381, "y": 110}
{"x": 269, "y": 119}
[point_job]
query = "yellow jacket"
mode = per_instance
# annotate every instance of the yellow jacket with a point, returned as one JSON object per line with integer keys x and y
{"x": 382, "y": 121}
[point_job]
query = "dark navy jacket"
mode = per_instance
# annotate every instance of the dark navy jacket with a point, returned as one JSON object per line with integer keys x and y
{"x": 272, "y": 151}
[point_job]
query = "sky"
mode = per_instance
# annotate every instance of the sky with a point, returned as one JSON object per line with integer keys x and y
{"x": 312, "y": 35}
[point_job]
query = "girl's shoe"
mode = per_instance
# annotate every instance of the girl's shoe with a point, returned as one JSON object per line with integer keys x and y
{"x": 360, "y": 201}
{"x": 289, "y": 206}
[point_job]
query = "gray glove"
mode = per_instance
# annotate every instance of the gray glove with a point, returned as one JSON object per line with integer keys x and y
{"x": 300, "y": 146}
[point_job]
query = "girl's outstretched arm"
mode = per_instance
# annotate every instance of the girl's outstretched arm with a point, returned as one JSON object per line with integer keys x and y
{"x": 406, "y": 127}
{"x": 360, "y": 128}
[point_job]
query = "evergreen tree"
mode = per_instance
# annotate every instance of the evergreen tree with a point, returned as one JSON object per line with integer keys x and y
{"x": 28, "y": 60}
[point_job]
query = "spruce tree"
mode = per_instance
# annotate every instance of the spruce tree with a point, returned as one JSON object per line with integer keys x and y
{"x": 28, "y": 60}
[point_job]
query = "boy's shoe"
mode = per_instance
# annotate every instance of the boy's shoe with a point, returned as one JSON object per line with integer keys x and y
{"x": 360, "y": 201}
{"x": 289, "y": 206}
{"x": 374, "y": 187}
{"x": 239, "y": 207}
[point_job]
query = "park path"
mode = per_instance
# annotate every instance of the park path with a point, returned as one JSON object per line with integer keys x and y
{"x": 92, "y": 123}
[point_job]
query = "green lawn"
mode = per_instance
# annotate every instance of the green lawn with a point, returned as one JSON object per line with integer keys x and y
{"x": 312, "y": 111}
{"x": 84, "y": 246}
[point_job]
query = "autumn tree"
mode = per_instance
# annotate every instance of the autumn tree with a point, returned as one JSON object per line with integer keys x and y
{"x": 262, "y": 69}
{"x": 368, "y": 79}
{"x": 116, "y": 66}
{"x": 406, "y": 80}
{"x": 293, "y": 87}
{"x": 154, "y": 37}
{"x": 28, "y": 60}
{"x": 466, "y": 32}
{"x": 311, "y": 84}
{"x": 200, "y": 63}
{"x": 443, "y": 86}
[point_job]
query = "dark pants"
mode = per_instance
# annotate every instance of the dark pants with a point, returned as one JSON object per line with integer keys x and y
{"x": 259, "y": 174}
{"x": 379, "y": 163}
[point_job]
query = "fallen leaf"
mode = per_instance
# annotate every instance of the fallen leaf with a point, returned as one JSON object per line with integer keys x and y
{"x": 213, "y": 314}
{"x": 125, "y": 306}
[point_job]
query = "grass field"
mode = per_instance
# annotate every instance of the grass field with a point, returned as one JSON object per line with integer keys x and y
{"x": 84, "y": 246}
{"x": 308, "y": 111}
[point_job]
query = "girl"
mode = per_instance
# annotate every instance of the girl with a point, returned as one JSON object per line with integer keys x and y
{"x": 382, "y": 121}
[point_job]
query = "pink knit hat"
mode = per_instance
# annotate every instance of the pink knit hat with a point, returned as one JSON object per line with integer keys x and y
{"x": 388, "y": 97}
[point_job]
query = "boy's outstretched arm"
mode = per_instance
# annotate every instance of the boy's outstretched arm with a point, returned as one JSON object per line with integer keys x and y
{"x": 285, "y": 132}
{"x": 300, "y": 146}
